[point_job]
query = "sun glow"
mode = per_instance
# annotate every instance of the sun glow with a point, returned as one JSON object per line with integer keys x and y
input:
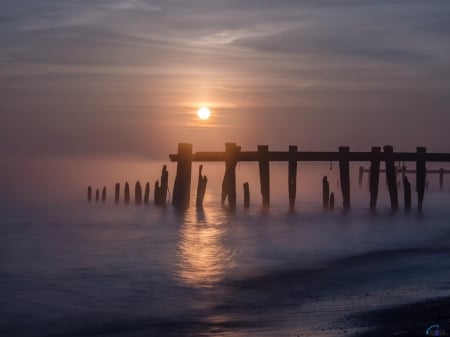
{"x": 203, "y": 113}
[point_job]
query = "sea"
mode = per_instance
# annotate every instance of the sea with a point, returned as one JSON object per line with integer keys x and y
{"x": 73, "y": 268}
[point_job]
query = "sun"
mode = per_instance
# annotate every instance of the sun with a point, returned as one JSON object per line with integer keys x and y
{"x": 203, "y": 113}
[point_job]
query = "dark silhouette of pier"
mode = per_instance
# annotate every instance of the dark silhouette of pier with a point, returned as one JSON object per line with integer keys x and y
{"x": 233, "y": 154}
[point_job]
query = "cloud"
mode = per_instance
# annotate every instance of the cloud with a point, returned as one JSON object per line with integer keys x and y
{"x": 55, "y": 15}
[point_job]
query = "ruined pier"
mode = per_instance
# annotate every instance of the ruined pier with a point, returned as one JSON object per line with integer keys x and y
{"x": 233, "y": 154}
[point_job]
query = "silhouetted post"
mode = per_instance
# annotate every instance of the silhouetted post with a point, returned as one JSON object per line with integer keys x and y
{"x": 97, "y": 195}
{"x": 403, "y": 170}
{"x": 104, "y": 194}
{"x": 441, "y": 179}
{"x": 165, "y": 185}
{"x": 360, "y": 176}
{"x": 229, "y": 179}
{"x": 201, "y": 187}
{"x": 391, "y": 176}
{"x": 331, "y": 205}
{"x": 420, "y": 176}
{"x": 292, "y": 176}
{"x": 117, "y": 193}
{"x": 147, "y": 193}
{"x": 246, "y": 196}
{"x": 374, "y": 176}
{"x": 407, "y": 194}
{"x": 182, "y": 185}
{"x": 264, "y": 174}
{"x": 137, "y": 193}
{"x": 89, "y": 193}
{"x": 344, "y": 168}
{"x": 157, "y": 194}
{"x": 126, "y": 193}
{"x": 325, "y": 192}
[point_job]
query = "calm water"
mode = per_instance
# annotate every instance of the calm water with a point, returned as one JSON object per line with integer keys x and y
{"x": 102, "y": 270}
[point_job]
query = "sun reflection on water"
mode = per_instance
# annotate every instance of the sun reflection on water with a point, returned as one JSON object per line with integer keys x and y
{"x": 203, "y": 256}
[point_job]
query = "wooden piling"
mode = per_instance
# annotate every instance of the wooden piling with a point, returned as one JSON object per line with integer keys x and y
{"x": 104, "y": 194}
{"x": 374, "y": 176}
{"x": 156, "y": 194}
{"x": 420, "y": 176}
{"x": 360, "y": 176}
{"x": 391, "y": 176}
{"x": 182, "y": 185}
{"x": 246, "y": 195}
{"x": 292, "y": 176}
{"x": 97, "y": 195}
{"x": 161, "y": 188}
{"x": 441, "y": 179}
{"x": 137, "y": 193}
{"x": 201, "y": 188}
{"x": 165, "y": 185}
{"x": 126, "y": 193}
{"x": 325, "y": 193}
{"x": 117, "y": 193}
{"x": 89, "y": 193}
{"x": 264, "y": 174}
{"x": 331, "y": 203}
{"x": 407, "y": 194}
{"x": 344, "y": 168}
{"x": 229, "y": 179}
{"x": 147, "y": 193}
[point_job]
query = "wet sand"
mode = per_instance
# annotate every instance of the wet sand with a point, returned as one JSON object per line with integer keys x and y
{"x": 406, "y": 320}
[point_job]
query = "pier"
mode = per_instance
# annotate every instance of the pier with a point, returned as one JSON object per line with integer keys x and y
{"x": 233, "y": 154}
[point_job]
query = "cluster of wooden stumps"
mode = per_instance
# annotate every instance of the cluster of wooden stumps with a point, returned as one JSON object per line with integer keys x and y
{"x": 160, "y": 192}
{"x": 233, "y": 155}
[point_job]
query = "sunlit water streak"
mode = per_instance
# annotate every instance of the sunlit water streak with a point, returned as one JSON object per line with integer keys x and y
{"x": 89, "y": 270}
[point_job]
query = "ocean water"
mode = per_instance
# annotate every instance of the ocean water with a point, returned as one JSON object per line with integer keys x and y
{"x": 78, "y": 269}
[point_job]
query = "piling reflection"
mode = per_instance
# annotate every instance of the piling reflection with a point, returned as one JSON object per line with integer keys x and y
{"x": 203, "y": 255}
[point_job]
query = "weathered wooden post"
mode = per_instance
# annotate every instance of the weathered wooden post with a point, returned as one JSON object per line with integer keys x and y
{"x": 97, "y": 195}
{"x": 403, "y": 170}
{"x": 391, "y": 176}
{"x": 104, "y": 194}
{"x": 182, "y": 185}
{"x": 331, "y": 205}
{"x": 137, "y": 193}
{"x": 246, "y": 196}
{"x": 360, "y": 176}
{"x": 165, "y": 185}
{"x": 126, "y": 193}
{"x": 292, "y": 176}
{"x": 201, "y": 187}
{"x": 89, "y": 193}
{"x": 407, "y": 194}
{"x": 161, "y": 188}
{"x": 441, "y": 179}
{"x": 344, "y": 168}
{"x": 374, "y": 176}
{"x": 421, "y": 172}
{"x": 229, "y": 180}
{"x": 325, "y": 192}
{"x": 147, "y": 193}
{"x": 117, "y": 193}
{"x": 157, "y": 194}
{"x": 264, "y": 174}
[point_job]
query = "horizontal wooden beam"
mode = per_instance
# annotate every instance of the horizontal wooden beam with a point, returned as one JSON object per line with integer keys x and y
{"x": 315, "y": 156}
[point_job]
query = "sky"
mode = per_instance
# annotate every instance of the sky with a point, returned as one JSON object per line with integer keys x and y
{"x": 122, "y": 79}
